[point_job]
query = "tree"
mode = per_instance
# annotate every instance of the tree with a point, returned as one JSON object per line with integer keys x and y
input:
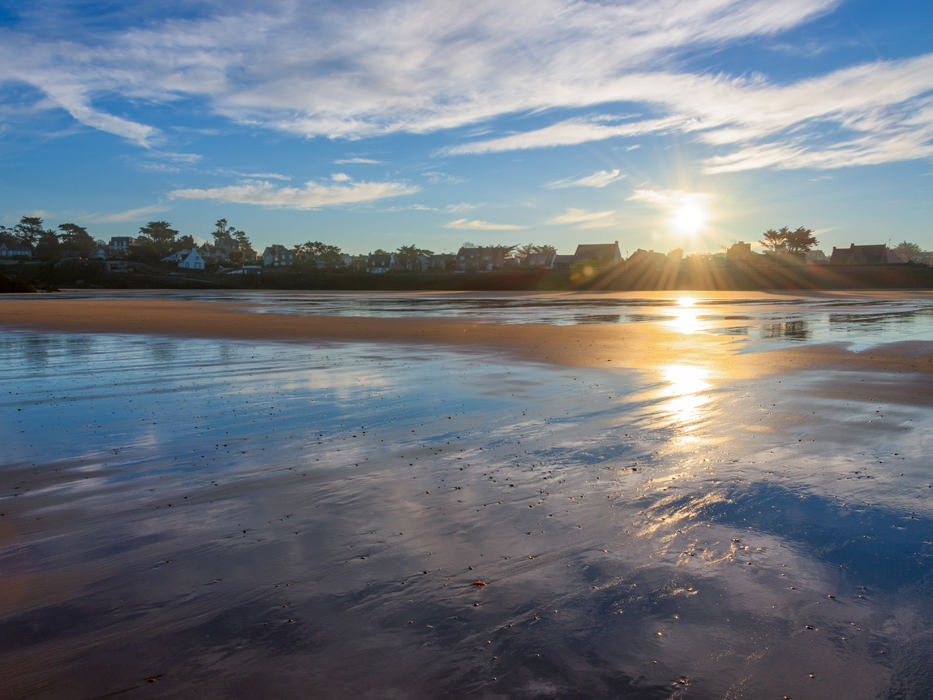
{"x": 161, "y": 235}
{"x": 318, "y": 255}
{"x": 528, "y": 249}
{"x": 910, "y": 251}
{"x": 407, "y": 255}
{"x": 233, "y": 243}
{"x": 76, "y": 240}
{"x": 48, "y": 246}
{"x": 796, "y": 242}
{"x": 799, "y": 241}
{"x": 774, "y": 240}
{"x": 184, "y": 243}
{"x": 222, "y": 232}
{"x": 28, "y": 230}
{"x": 245, "y": 250}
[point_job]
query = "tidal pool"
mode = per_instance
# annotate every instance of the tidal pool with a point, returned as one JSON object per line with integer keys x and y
{"x": 221, "y": 518}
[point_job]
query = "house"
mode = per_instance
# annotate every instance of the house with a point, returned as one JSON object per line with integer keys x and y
{"x": 542, "y": 261}
{"x": 815, "y": 257}
{"x": 562, "y": 262}
{"x": 600, "y": 254}
{"x": 220, "y": 251}
{"x": 865, "y": 255}
{"x": 177, "y": 256}
{"x": 10, "y": 249}
{"x": 642, "y": 258}
{"x": 120, "y": 246}
{"x": 187, "y": 259}
{"x": 101, "y": 252}
{"x": 740, "y": 252}
{"x": 277, "y": 256}
{"x": 482, "y": 259}
{"x": 192, "y": 261}
{"x": 379, "y": 263}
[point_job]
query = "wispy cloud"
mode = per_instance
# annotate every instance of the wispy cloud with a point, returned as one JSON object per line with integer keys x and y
{"x": 667, "y": 199}
{"x": 340, "y": 74}
{"x": 567, "y": 133}
{"x": 140, "y": 214}
{"x": 436, "y": 177}
{"x": 582, "y": 219}
{"x": 357, "y": 160}
{"x": 477, "y": 225}
{"x": 294, "y": 68}
{"x": 253, "y": 176}
{"x": 313, "y": 195}
{"x": 461, "y": 207}
{"x": 601, "y": 178}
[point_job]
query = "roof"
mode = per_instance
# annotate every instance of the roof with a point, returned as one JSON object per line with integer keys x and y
{"x": 860, "y": 255}
{"x": 597, "y": 250}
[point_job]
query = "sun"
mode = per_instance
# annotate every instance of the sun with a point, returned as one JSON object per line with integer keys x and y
{"x": 689, "y": 218}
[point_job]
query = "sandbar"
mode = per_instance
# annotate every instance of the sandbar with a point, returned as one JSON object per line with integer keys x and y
{"x": 594, "y": 345}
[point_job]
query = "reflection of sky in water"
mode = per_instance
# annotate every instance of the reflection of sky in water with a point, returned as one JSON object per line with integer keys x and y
{"x": 768, "y": 324}
{"x": 265, "y": 518}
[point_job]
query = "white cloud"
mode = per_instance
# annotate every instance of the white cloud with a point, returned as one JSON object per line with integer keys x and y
{"x": 567, "y": 133}
{"x": 460, "y": 207}
{"x": 667, "y": 199}
{"x": 600, "y": 178}
{"x": 438, "y": 178}
{"x": 477, "y": 225}
{"x": 340, "y": 74}
{"x": 253, "y": 176}
{"x": 340, "y": 177}
{"x": 130, "y": 215}
{"x": 312, "y": 196}
{"x": 582, "y": 219}
{"x": 357, "y": 160}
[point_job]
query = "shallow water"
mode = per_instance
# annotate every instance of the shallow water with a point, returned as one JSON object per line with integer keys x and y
{"x": 217, "y": 518}
{"x": 780, "y": 320}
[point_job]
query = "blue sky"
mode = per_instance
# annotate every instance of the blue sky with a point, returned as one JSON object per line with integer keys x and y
{"x": 655, "y": 123}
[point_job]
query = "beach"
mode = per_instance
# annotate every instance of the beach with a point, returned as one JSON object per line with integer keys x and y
{"x": 649, "y": 497}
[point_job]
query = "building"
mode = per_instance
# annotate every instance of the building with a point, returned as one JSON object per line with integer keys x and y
{"x": 740, "y": 253}
{"x": 541, "y": 261}
{"x": 865, "y": 255}
{"x": 10, "y": 249}
{"x": 277, "y": 256}
{"x": 379, "y": 263}
{"x": 815, "y": 257}
{"x": 562, "y": 262}
{"x": 482, "y": 259}
{"x": 192, "y": 261}
{"x": 599, "y": 254}
{"x": 176, "y": 257}
{"x": 120, "y": 246}
{"x": 186, "y": 259}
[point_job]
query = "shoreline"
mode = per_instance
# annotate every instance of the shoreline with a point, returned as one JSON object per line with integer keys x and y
{"x": 607, "y": 346}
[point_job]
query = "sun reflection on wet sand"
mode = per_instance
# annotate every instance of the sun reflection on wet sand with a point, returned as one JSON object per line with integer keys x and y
{"x": 685, "y": 317}
{"x": 685, "y": 393}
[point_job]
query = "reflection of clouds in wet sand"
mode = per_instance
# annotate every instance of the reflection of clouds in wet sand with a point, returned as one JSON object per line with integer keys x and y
{"x": 277, "y": 514}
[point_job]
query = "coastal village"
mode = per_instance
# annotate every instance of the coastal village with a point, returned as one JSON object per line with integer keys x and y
{"x": 232, "y": 253}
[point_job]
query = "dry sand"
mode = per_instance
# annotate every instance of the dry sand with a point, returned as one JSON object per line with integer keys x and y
{"x": 604, "y": 346}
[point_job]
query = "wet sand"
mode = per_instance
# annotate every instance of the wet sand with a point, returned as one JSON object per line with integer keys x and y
{"x": 602, "y": 346}
{"x": 188, "y": 509}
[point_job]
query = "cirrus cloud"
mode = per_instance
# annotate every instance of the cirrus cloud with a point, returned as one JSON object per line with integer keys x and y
{"x": 601, "y": 178}
{"x": 313, "y": 195}
{"x": 477, "y": 225}
{"x": 582, "y": 219}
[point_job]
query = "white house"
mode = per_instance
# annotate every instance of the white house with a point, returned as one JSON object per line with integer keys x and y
{"x": 192, "y": 261}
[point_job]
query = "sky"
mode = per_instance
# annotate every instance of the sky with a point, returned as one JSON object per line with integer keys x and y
{"x": 656, "y": 123}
